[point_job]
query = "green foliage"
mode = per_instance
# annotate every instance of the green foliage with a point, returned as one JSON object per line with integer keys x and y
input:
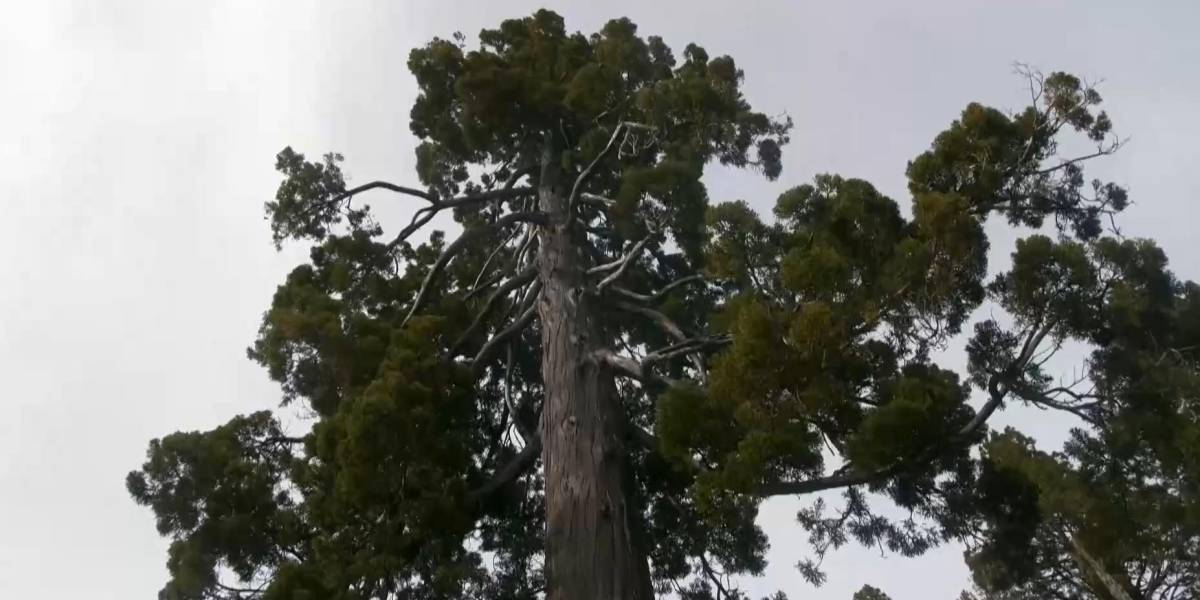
{"x": 770, "y": 356}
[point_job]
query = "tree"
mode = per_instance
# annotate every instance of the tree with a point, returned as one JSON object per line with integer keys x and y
{"x": 1085, "y": 526}
{"x": 869, "y": 592}
{"x": 588, "y": 392}
{"x": 1115, "y": 514}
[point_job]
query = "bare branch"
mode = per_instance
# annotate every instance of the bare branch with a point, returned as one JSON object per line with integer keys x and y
{"x": 384, "y": 185}
{"x": 424, "y": 215}
{"x": 830, "y": 482}
{"x": 688, "y": 346}
{"x": 513, "y": 329}
{"x": 419, "y": 219}
{"x": 1102, "y": 151}
{"x": 587, "y": 171}
{"x": 628, "y": 367}
{"x": 577, "y": 188}
{"x": 455, "y": 247}
{"x": 663, "y": 322}
{"x": 597, "y": 200}
{"x": 623, "y": 264}
{"x": 513, "y": 469}
{"x": 661, "y": 293}
{"x": 475, "y": 285}
{"x": 520, "y": 280}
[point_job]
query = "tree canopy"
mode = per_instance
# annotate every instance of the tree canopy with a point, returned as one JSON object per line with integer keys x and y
{"x": 589, "y": 391}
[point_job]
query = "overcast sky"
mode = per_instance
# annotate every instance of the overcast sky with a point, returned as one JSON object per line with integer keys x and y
{"x": 136, "y": 149}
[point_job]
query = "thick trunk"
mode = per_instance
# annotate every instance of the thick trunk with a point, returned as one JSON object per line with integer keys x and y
{"x": 590, "y": 553}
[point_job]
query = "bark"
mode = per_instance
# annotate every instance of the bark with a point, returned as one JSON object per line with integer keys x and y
{"x": 590, "y": 551}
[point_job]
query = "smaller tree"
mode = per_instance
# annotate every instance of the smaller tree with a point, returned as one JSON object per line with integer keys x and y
{"x": 869, "y": 592}
{"x": 1116, "y": 514}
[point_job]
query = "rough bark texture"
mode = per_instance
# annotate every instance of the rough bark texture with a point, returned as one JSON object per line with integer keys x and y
{"x": 590, "y": 552}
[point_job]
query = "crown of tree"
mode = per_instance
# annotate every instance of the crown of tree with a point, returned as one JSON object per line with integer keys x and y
{"x": 589, "y": 391}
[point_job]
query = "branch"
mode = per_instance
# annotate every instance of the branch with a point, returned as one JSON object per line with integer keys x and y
{"x": 661, "y": 293}
{"x": 518, "y": 281}
{"x": 587, "y": 172}
{"x": 623, "y": 264}
{"x": 624, "y": 365}
{"x": 424, "y": 215}
{"x": 456, "y": 246}
{"x": 510, "y": 471}
{"x": 688, "y": 346}
{"x": 1042, "y": 398}
{"x": 1105, "y": 151}
{"x": 1000, "y": 383}
{"x": 513, "y": 329}
{"x": 830, "y": 482}
{"x": 399, "y": 189}
{"x": 997, "y": 389}
{"x": 597, "y": 200}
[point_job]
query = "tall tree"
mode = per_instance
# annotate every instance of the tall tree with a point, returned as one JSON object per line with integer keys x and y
{"x": 588, "y": 392}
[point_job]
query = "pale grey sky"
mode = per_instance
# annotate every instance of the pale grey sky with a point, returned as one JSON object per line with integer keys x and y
{"x": 136, "y": 150}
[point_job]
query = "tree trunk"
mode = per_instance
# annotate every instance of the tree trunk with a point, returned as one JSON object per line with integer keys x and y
{"x": 590, "y": 553}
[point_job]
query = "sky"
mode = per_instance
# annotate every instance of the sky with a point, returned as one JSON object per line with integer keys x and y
{"x": 137, "y": 141}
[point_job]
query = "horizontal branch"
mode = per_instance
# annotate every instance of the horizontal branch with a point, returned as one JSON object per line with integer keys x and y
{"x": 1103, "y": 151}
{"x": 597, "y": 200}
{"x": 384, "y": 185}
{"x": 688, "y": 346}
{"x": 820, "y": 484}
{"x": 661, "y": 293}
{"x": 623, "y": 365}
